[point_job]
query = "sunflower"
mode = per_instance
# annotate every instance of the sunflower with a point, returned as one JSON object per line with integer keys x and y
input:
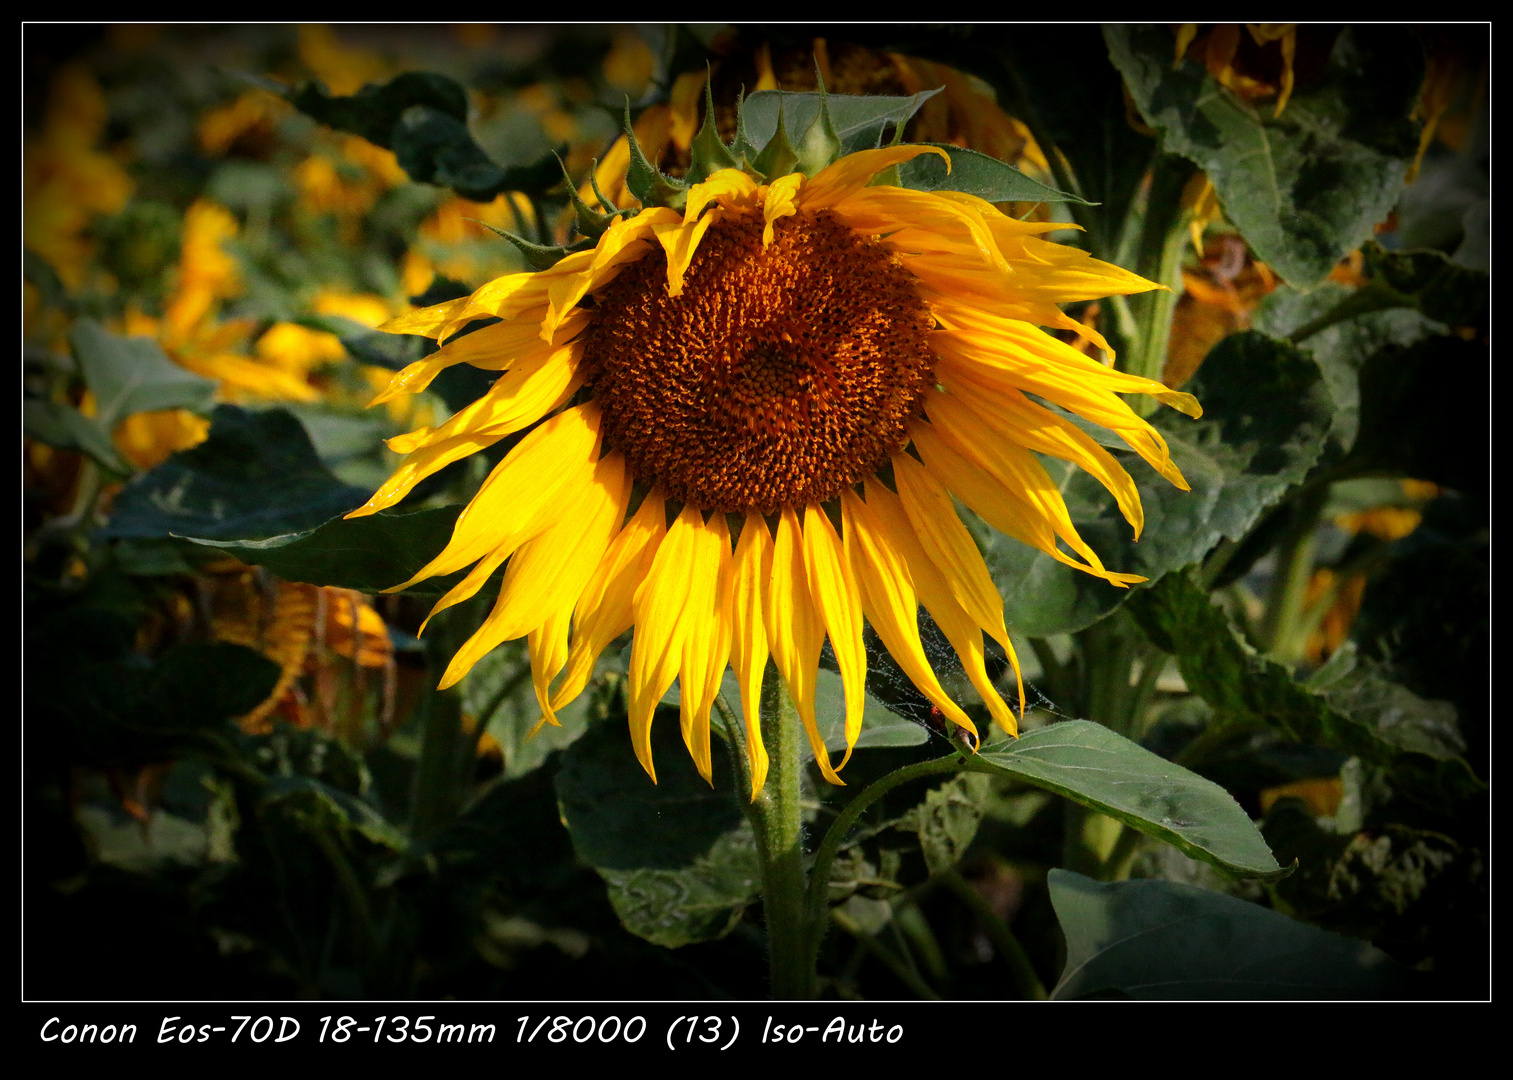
{"x": 750, "y": 417}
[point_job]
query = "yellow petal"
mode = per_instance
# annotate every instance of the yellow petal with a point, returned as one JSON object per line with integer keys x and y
{"x": 606, "y": 607}
{"x": 728, "y": 187}
{"x": 426, "y": 321}
{"x": 782, "y": 194}
{"x": 848, "y": 175}
{"x": 522, "y": 496}
{"x": 1009, "y": 489}
{"x": 753, "y": 568}
{"x": 832, "y": 586}
{"x": 889, "y": 601}
{"x": 1027, "y": 351}
{"x": 948, "y": 545}
{"x": 504, "y": 298}
{"x": 706, "y": 640}
{"x": 663, "y": 620}
{"x": 794, "y": 632}
{"x": 1004, "y": 416}
{"x": 681, "y": 242}
{"x": 493, "y": 348}
{"x": 976, "y": 367}
{"x": 547, "y": 645}
{"x": 625, "y": 241}
{"x": 547, "y": 573}
{"x": 936, "y": 595}
{"x": 522, "y": 396}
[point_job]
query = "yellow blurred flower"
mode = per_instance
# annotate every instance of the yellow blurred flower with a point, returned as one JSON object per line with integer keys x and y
{"x": 327, "y": 642}
{"x": 630, "y": 64}
{"x": 148, "y": 439}
{"x": 66, "y": 179}
{"x": 1340, "y": 596}
{"x": 191, "y": 330}
{"x": 248, "y": 119}
{"x": 344, "y": 71}
{"x": 346, "y": 180}
{"x": 1322, "y": 795}
{"x": 453, "y": 243}
{"x": 1383, "y": 522}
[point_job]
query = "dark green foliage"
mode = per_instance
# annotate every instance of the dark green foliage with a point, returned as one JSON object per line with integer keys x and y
{"x": 256, "y": 476}
{"x": 1307, "y": 187}
{"x": 422, "y": 117}
{"x": 1164, "y": 941}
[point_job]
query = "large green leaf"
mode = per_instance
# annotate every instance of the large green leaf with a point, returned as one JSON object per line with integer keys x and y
{"x": 976, "y": 174}
{"x": 1266, "y": 416}
{"x": 1241, "y": 684}
{"x": 1160, "y": 940}
{"x": 255, "y": 476}
{"x": 678, "y": 856}
{"x": 368, "y": 553}
{"x": 1307, "y": 187}
{"x": 1093, "y": 766}
{"x": 132, "y": 375}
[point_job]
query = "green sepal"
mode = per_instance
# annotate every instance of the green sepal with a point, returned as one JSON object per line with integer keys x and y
{"x": 742, "y": 146}
{"x": 710, "y": 155}
{"x": 820, "y": 144}
{"x": 859, "y": 120}
{"x": 777, "y": 157}
{"x": 646, "y": 181}
{"x": 539, "y": 256}
{"x": 591, "y": 223}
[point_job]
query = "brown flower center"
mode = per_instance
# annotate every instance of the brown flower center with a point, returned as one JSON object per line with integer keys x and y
{"x": 779, "y": 376}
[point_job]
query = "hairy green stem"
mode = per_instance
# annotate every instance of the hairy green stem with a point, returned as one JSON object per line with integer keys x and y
{"x": 777, "y": 816}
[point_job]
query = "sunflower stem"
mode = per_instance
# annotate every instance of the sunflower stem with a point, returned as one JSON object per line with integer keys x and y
{"x": 1159, "y": 258}
{"x": 778, "y": 816}
{"x": 1289, "y": 584}
{"x": 443, "y": 772}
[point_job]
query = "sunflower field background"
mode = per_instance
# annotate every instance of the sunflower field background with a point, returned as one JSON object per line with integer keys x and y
{"x": 241, "y": 782}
